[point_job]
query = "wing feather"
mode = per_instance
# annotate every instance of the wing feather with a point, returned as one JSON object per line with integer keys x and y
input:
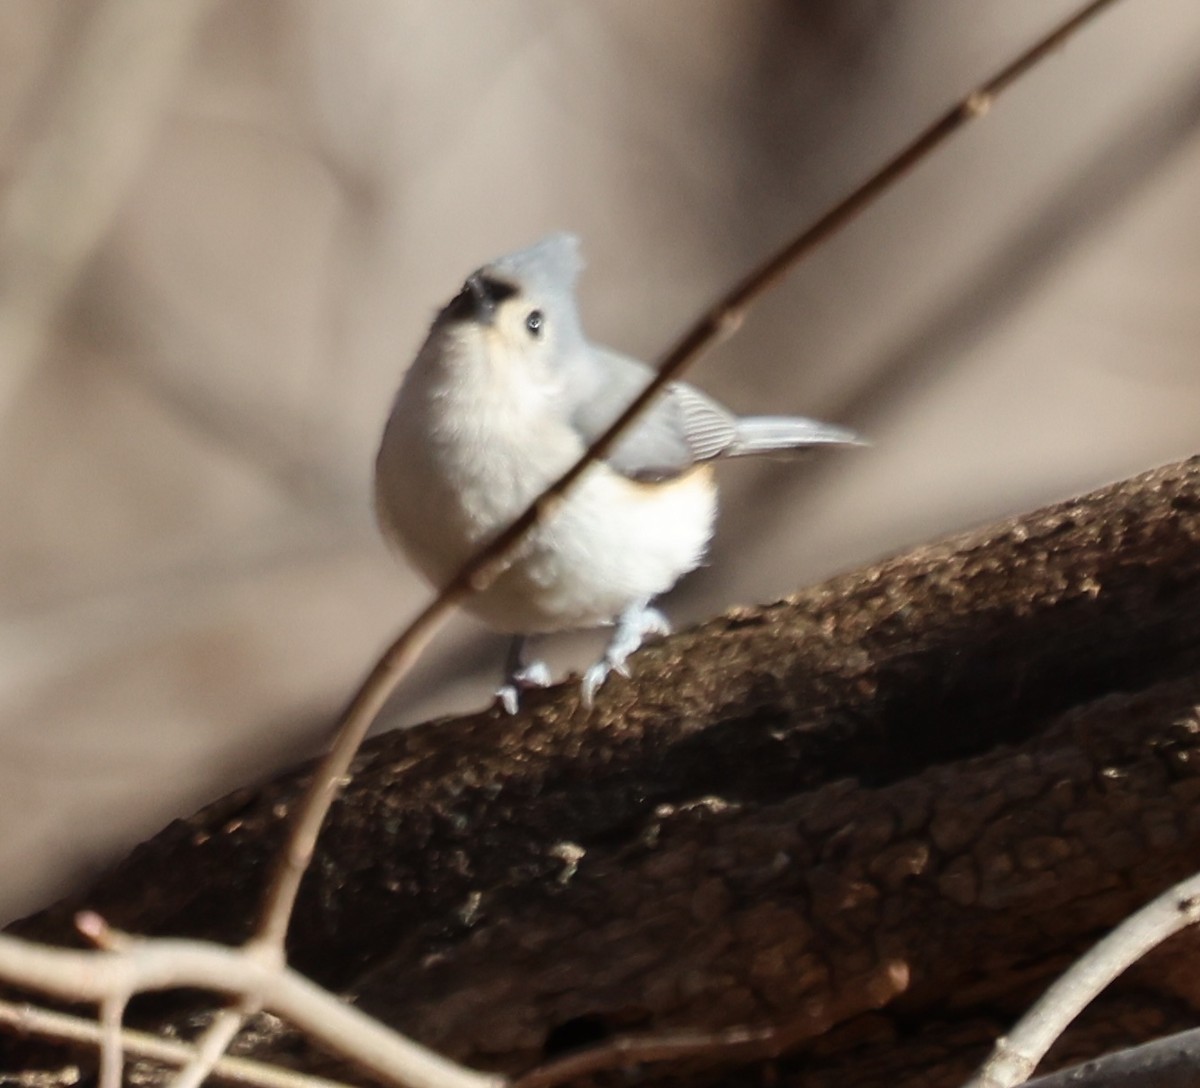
{"x": 683, "y": 427}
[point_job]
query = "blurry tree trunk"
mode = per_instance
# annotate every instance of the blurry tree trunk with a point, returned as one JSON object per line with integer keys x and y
{"x": 109, "y": 101}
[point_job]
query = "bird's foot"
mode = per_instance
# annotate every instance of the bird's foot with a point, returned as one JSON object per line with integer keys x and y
{"x": 634, "y": 624}
{"x": 526, "y": 677}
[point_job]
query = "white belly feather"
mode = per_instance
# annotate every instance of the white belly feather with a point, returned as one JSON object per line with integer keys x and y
{"x": 441, "y": 491}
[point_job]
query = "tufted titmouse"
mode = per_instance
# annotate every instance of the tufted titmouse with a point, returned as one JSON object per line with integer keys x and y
{"x": 504, "y": 396}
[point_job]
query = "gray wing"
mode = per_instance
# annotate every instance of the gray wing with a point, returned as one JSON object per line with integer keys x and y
{"x": 679, "y": 429}
{"x": 684, "y": 426}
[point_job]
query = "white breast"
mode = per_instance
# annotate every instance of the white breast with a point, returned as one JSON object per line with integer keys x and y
{"x": 460, "y": 460}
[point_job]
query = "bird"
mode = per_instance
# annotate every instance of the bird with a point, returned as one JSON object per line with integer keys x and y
{"x": 505, "y": 394}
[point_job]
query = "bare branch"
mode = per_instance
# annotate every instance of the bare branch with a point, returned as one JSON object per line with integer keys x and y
{"x": 719, "y": 322}
{"x": 735, "y": 1044}
{"x": 259, "y": 970}
{"x": 1016, "y": 1056}
{"x": 212, "y": 1045}
{"x": 1018, "y": 704}
{"x": 172, "y": 964}
{"x": 112, "y": 1055}
{"x": 96, "y": 929}
{"x": 330, "y": 775}
{"x": 28, "y": 1019}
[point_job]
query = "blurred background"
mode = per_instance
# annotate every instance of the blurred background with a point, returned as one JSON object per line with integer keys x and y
{"x": 225, "y": 226}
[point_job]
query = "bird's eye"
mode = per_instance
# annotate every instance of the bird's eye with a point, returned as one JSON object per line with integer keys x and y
{"x": 534, "y": 323}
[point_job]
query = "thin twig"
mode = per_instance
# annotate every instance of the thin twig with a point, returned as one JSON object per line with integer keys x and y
{"x": 330, "y": 774}
{"x": 260, "y": 968}
{"x": 96, "y": 930}
{"x": 112, "y": 1052}
{"x": 211, "y": 1046}
{"x": 1017, "y": 1055}
{"x": 742, "y": 1044}
{"x": 31, "y": 1020}
{"x": 167, "y": 964}
{"x": 720, "y": 321}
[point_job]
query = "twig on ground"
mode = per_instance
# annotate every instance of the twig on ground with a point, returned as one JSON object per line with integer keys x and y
{"x": 112, "y": 1053}
{"x": 741, "y": 1045}
{"x": 167, "y": 964}
{"x": 31, "y": 1020}
{"x": 626, "y": 1051}
{"x": 213, "y": 1043}
{"x": 1017, "y": 1055}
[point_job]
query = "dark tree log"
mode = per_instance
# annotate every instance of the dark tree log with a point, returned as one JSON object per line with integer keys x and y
{"x": 919, "y": 788}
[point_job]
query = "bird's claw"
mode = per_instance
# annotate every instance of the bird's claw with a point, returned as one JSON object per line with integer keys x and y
{"x": 632, "y": 628}
{"x": 508, "y": 698}
{"x": 536, "y": 674}
{"x": 653, "y": 622}
{"x": 592, "y": 681}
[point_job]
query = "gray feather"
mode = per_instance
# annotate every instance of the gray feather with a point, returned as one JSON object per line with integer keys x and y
{"x": 683, "y": 427}
{"x": 603, "y": 384}
{"x": 550, "y": 267}
{"x": 775, "y": 434}
{"x": 709, "y": 429}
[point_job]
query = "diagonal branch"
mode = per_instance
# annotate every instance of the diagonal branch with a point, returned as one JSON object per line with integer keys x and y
{"x": 163, "y": 964}
{"x": 1017, "y": 1055}
{"x": 30, "y": 1020}
{"x": 259, "y": 970}
{"x": 944, "y": 772}
{"x": 720, "y": 321}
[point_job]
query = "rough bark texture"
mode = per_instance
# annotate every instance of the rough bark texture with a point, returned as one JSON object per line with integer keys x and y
{"x": 876, "y": 817}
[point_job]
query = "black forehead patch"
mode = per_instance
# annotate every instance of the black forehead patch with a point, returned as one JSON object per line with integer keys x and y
{"x": 479, "y": 294}
{"x": 494, "y": 290}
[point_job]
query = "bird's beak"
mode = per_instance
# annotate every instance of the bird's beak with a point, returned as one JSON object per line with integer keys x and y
{"x": 482, "y": 299}
{"x": 478, "y": 300}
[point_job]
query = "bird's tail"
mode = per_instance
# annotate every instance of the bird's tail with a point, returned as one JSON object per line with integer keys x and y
{"x": 777, "y": 434}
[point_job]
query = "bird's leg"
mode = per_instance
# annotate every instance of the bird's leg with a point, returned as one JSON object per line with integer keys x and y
{"x": 632, "y": 626}
{"x": 520, "y": 675}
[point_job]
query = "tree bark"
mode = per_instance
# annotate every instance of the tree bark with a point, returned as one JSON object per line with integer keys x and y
{"x": 874, "y": 818}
